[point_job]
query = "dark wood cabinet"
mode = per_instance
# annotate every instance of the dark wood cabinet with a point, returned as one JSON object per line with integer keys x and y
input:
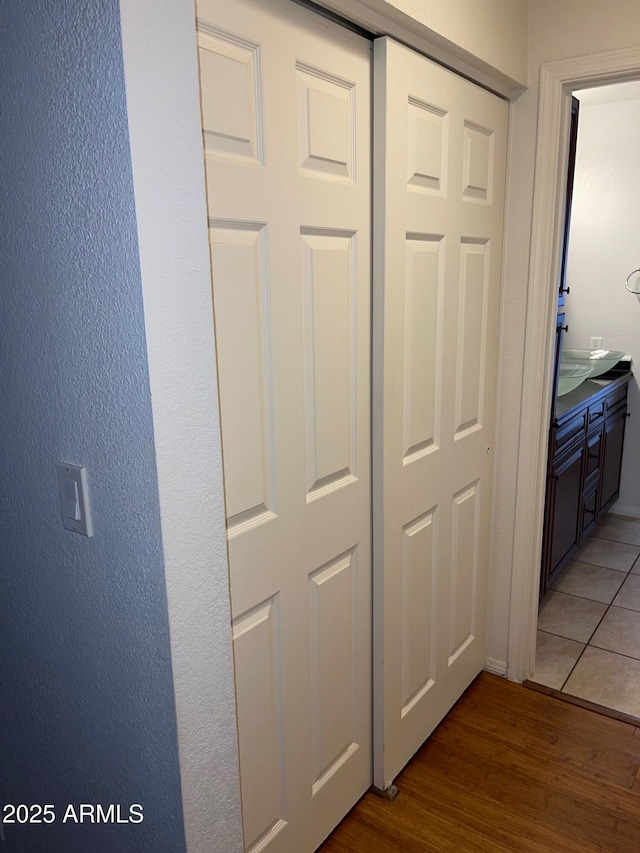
{"x": 565, "y": 496}
{"x": 583, "y": 474}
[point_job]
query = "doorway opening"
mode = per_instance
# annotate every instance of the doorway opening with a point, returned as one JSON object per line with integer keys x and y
{"x": 558, "y": 81}
{"x": 590, "y": 613}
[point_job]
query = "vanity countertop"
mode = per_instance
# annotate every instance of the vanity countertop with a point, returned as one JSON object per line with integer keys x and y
{"x": 588, "y": 393}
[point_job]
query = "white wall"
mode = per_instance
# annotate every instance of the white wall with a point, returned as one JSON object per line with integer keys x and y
{"x": 495, "y": 31}
{"x": 604, "y": 248}
{"x": 559, "y": 29}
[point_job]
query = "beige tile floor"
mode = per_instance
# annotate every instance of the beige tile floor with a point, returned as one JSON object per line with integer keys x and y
{"x": 589, "y": 624}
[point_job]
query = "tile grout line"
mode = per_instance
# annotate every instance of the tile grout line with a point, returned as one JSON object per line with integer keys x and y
{"x": 611, "y": 652}
{"x": 586, "y": 645}
{"x": 573, "y": 667}
{"x": 595, "y": 600}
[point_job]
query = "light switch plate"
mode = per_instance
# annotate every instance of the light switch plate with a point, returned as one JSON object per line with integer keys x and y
{"x": 74, "y": 498}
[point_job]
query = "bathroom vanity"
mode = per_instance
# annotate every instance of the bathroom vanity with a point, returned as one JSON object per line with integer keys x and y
{"x": 583, "y": 471}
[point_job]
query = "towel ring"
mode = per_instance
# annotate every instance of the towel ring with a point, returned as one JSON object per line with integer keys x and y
{"x": 626, "y": 284}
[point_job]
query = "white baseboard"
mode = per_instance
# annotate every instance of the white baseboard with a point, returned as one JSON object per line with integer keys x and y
{"x": 625, "y": 511}
{"x": 497, "y": 667}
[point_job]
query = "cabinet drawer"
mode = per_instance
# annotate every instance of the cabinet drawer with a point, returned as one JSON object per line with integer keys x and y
{"x": 611, "y": 401}
{"x": 567, "y": 433}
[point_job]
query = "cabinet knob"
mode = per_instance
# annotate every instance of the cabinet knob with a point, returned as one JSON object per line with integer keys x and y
{"x": 564, "y": 328}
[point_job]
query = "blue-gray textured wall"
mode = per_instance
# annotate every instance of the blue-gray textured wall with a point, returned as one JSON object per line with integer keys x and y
{"x": 86, "y": 705}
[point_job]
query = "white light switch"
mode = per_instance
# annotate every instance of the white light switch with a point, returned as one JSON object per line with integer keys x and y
{"x": 74, "y": 498}
{"x": 71, "y": 507}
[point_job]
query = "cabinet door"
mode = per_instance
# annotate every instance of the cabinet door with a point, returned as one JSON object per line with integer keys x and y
{"x": 565, "y": 493}
{"x": 589, "y": 513}
{"x": 594, "y": 458}
{"x": 612, "y": 458}
{"x": 591, "y": 482}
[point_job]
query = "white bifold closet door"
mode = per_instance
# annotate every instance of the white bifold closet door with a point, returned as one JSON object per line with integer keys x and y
{"x": 440, "y": 153}
{"x": 287, "y": 135}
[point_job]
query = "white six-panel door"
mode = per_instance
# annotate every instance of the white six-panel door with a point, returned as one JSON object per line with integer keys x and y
{"x": 440, "y": 151}
{"x": 286, "y": 123}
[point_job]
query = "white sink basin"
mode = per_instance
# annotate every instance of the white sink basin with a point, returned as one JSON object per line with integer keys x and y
{"x": 572, "y": 375}
{"x": 600, "y": 360}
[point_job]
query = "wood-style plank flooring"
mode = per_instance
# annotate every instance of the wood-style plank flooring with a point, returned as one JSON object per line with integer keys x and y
{"x": 509, "y": 770}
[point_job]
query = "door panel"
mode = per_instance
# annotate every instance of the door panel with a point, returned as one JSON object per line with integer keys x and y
{"x": 286, "y": 130}
{"x": 424, "y": 301}
{"x": 240, "y": 259}
{"x": 438, "y": 217}
{"x": 463, "y": 609}
{"x": 333, "y": 620}
{"x": 329, "y": 284}
{"x": 258, "y": 660}
{"x": 418, "y": 608}
{"x": 472, "y": 335}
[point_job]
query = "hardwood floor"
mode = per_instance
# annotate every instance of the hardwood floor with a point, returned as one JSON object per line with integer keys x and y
{"x": 509, "y": 770}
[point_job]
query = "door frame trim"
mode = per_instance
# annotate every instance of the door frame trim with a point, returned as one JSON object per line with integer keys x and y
{"x": 557, "y": 81}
